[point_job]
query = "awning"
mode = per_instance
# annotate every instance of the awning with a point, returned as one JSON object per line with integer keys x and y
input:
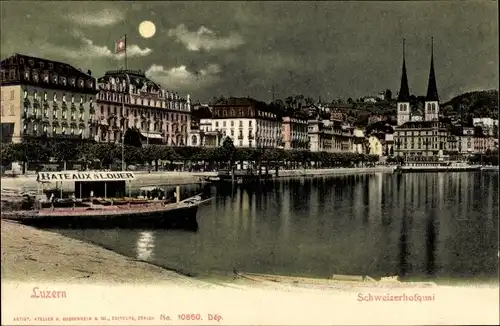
{"x": 151, "y": 135}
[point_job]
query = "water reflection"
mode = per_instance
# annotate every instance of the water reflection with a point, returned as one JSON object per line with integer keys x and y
{"x": 413, "y": 225}
{"x": 145, "y": 245}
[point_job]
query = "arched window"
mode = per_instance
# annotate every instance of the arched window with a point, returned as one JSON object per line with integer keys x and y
{"x": 428, "y": 107}
{"x": 433, "y": 107}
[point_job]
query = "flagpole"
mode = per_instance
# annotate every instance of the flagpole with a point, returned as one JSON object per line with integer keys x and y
{"x": 123, "y": 112}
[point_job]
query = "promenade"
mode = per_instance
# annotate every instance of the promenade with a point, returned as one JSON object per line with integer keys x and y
{"x": 144, "y": 178}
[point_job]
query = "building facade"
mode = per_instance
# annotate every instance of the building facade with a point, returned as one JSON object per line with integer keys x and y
{"x": 201, "y": 128}
{"x": 488, "y": 125}
{"x": 483, "y": 144}
{"x": 44, "y": 98}
{"x": 466, "y": 141}
{"x": 295, "y": 134}
{"x": 330, "y": 136}
{"x": 359, "y": 142}
{"x": 431, "y": 139}
{"x": 248, "y": 122}
{"x": 128, "y": 99}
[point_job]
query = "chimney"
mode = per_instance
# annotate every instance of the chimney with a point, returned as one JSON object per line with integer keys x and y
{"x": 89, "y": 72}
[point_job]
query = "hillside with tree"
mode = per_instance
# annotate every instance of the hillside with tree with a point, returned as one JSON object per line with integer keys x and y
{"x": 479, "y": 104}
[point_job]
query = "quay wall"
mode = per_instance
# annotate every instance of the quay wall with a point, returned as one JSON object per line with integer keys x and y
{"x": 28, "y": 182}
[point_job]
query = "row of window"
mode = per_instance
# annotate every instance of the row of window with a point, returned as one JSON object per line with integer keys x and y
{"x": 108, "y": 110}
{"x": 431, "y": 107}
{"x": 145, "y": 102}
{"x": 54, "y": 97}
{"x": 34, "y": 128}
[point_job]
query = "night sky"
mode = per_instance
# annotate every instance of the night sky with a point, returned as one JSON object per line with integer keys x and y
{"x": 328, "y": 49}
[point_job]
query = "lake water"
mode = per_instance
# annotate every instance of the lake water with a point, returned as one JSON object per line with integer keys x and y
{"x": 442, "y": 226}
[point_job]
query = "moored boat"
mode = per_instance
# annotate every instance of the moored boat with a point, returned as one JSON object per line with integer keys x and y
{"x": 110, "y": 212}
{"x": 340, "y": 281}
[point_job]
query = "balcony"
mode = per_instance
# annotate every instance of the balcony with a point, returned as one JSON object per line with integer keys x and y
{"x": 240, "y": 137}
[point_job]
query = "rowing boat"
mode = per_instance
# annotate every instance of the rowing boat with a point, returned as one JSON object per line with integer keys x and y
{"x": 335, "y": 281}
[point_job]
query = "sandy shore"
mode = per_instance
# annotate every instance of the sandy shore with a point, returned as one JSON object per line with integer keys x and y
{"x": 32, "y": 255}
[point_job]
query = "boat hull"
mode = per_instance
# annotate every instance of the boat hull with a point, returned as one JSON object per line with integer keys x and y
{"x": 180, "y": 217}
{"x": 341, "y": 281}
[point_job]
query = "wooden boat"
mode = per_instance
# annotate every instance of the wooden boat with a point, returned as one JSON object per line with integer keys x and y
{"x": 334, "y": 281}
{"x": 108, "y": 212}
{"x": 147, "y": 215}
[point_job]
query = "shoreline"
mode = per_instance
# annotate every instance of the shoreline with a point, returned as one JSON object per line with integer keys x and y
{"x": 34, "y": 259}
{"x": 34, "y": 255}
{"x": 169, "y": 178}
{"x": 81, "y": 261}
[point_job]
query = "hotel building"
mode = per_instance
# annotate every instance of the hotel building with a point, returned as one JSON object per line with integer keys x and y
{"x": 45, "y": 98}
{"x": 128, "y": 99}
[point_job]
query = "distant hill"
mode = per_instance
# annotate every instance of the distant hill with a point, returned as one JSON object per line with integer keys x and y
{"x": 475, "y": 104}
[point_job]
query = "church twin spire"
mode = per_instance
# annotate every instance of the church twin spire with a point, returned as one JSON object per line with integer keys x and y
{"x": 432, "y": 93}
{"x": 404, "y": 91}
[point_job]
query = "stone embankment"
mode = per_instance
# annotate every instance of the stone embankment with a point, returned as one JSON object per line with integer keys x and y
{"x": 28, "y": 182}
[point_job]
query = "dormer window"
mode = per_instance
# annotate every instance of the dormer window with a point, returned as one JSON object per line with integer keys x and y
{"x": 21, "y": 61}
{"x": 41, "y": 64}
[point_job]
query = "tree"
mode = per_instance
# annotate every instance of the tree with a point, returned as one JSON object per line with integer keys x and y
{"x": 133, "y": 137}
{"x": 67, "y": 151}
{"x": 478, "y": 131}
{"x": 8, "y": 154}
{"x": 309, "y": 101}
{"x": 388, "y": 95}
{"x": 227, "y": 150}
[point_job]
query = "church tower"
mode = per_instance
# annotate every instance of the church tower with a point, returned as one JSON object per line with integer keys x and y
{"x": 403, "y": 107}
{"x": 431, "y": 111}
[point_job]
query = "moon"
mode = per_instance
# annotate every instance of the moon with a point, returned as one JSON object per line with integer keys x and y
{"x": 147, "y": 29}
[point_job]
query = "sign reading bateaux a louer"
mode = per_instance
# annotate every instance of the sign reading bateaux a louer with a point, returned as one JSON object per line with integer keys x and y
{"x": 84, "y": 176}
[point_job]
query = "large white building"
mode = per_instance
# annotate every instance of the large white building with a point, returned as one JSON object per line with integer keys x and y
{"x": 248, "y": 122}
